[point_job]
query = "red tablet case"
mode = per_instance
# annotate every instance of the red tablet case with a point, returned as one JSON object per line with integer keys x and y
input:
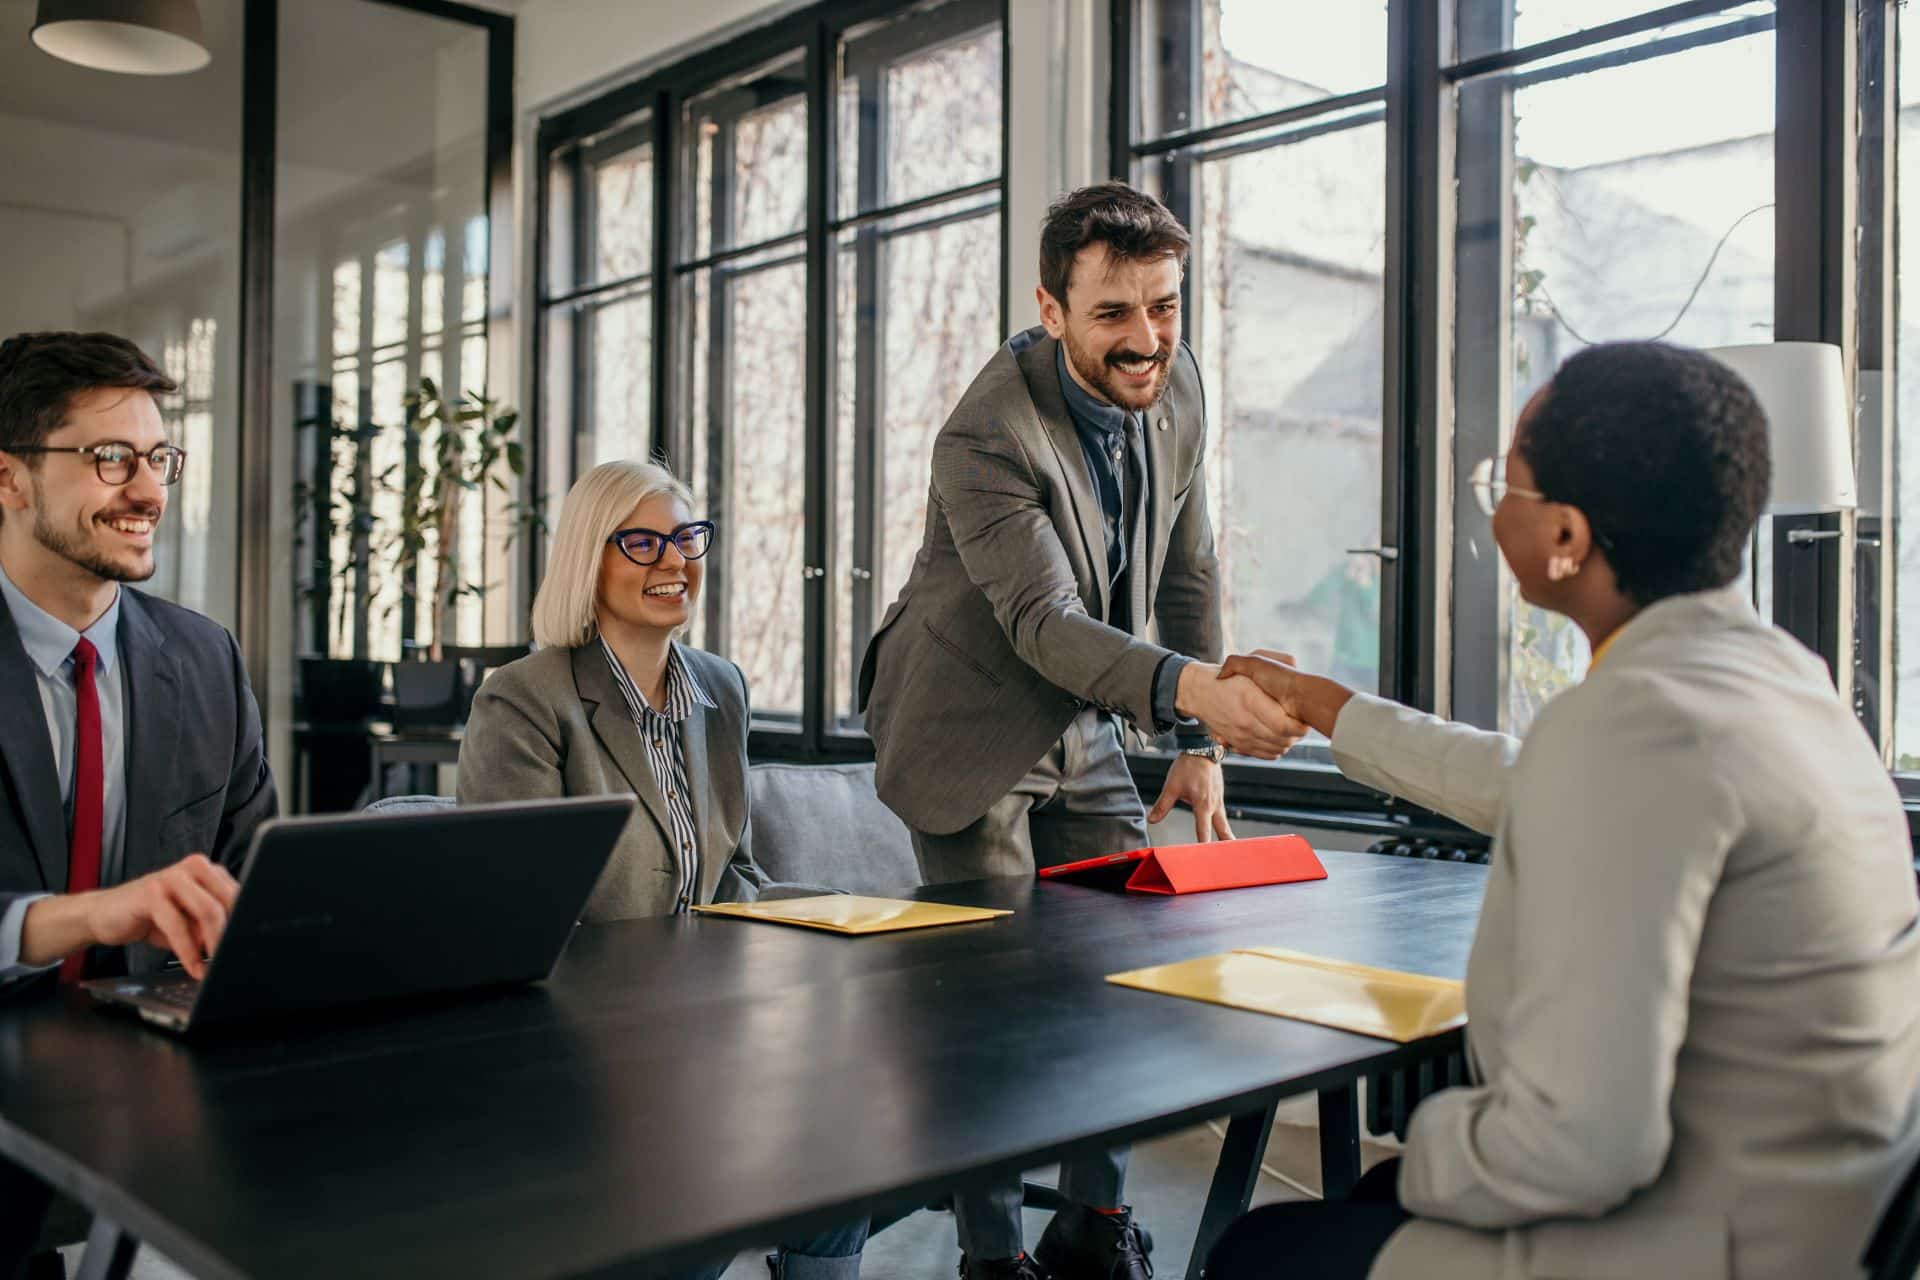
{"x": 1199, "y": 868}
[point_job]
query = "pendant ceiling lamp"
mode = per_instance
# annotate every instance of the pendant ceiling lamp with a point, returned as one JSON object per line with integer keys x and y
{"x": 134, "y": 37}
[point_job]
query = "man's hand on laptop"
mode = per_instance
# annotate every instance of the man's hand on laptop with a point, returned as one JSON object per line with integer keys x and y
{"x": 182, "y": 908}
{"x": 1236, "y": 712}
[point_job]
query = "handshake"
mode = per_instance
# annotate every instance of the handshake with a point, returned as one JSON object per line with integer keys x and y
{"x": 1259, "y": 704}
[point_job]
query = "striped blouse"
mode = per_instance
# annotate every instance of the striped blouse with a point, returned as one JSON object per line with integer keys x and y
{"x": 660, "y": 736}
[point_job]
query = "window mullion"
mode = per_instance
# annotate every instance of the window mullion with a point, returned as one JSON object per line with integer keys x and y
{"x": 817, "y": 646}
{"x": 869, "y": 486}
{"x": 1483, "y": 365}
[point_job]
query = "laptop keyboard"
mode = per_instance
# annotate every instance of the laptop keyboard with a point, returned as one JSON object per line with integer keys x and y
{"x": 180, "y": 993}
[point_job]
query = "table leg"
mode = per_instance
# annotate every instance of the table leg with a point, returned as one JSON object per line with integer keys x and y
{"x": 1233, "y": 1180}
{"x": 109, "y": 1252}
{"x": 1339, "y": 1141}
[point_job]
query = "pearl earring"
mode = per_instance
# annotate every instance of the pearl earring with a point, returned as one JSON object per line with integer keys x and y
{"x": 1560, "y": 568}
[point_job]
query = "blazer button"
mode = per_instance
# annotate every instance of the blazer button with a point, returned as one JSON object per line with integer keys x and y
{"x": 1162, "y": 424}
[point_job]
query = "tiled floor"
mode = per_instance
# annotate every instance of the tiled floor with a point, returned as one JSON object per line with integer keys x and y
{"x": 1167, "y": 1184}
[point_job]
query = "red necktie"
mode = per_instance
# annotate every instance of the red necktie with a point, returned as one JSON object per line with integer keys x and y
{"x": 89, "y": 788}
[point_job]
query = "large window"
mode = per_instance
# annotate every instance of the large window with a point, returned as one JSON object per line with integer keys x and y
{"x": 1900, "y": 536}
{"x": 1262, "y": 126}
{"x": 743, "y": 293}
{"x": 1618, "y": 189}
{"x": 916, "y": 290}
{"x": 777, "y": 268}
{"x": 1406, "y": 215}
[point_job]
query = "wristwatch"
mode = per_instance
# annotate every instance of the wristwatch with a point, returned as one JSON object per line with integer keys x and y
{"x": 1212, "y": 751}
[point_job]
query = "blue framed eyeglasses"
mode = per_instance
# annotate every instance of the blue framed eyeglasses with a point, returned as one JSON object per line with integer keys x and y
{"x": 645, "y": 546}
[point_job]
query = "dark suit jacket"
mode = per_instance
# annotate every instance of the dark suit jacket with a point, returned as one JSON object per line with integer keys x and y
{"x": 996, "y": 642}
{"x": 197, "y": 776}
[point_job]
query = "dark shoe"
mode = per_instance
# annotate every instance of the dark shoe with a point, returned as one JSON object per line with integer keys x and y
{"x": 1024, "y": 1267}
{"x": 1084, "y": 1244}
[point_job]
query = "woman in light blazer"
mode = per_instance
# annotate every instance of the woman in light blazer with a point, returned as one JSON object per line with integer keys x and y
{"x": 611, "y": 704}
{"x": 1694, "y": 993}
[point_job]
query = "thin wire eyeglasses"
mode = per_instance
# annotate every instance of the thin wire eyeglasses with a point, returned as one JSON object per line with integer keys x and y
{"x": 645, "y": 546}
{"x": 1489, "y": 482}
{"x": 113, "y": 459}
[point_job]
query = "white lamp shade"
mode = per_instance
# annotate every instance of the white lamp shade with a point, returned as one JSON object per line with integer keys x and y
{"x": 132, "y": 37}
{"x": 1802, "y": 387}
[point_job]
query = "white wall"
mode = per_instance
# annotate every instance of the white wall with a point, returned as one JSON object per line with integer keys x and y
{"x": 568, "y": 50}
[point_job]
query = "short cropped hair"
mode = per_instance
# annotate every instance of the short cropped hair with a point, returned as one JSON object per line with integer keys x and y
{"x": 563, "y": 609}
{"x": 1665, "y": 450}
{"x": 41, "y": 373}
{"x": 1132, "y": 224}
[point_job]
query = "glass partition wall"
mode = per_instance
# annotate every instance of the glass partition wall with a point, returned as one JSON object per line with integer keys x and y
{"x": 400, "y": 543}
{"x": 121, "y": 211}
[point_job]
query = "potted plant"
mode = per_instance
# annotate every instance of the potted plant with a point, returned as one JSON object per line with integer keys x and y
{"x": 470, "y": 441}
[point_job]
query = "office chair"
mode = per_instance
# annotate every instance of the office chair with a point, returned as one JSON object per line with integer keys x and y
{"x": 1893, "y": 1252}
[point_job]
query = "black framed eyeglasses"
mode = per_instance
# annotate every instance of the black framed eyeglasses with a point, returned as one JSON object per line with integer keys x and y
{"x": 646, "y": 546}
{"x": 113, "y": 460}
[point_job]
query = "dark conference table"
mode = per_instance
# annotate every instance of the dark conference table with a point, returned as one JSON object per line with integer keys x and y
{"x": 682, "y": 1088}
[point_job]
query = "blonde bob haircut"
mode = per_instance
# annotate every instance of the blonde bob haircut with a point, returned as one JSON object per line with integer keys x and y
{"x": 563, "y": 609}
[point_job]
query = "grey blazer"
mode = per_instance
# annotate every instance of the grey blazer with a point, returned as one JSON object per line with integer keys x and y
{"x": 555, "y": 724}
{"x": 995, "y": 643}
{"x": 197, "y": 776}
{"x": 1692, "y": 995}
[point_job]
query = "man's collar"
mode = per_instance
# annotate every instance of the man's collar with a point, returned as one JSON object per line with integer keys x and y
{"x": 48, "y": 641}
{"x": 1085, "y": 407}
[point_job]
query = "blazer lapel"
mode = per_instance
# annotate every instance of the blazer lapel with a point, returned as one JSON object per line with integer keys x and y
{"x": 1162, "y": 430}
{"x": 152, "y": 733}
{"x": 619, "y": 736}
{"x": 28, "y": 748}
{"x": 1040, "y": 366}
{"x": 715, "y": 851}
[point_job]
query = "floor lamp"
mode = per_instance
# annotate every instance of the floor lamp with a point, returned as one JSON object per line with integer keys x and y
{"x": 1802, "y": 386}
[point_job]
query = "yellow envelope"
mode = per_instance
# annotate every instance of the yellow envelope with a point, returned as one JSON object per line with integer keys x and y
{"x": 1290, "y": 984}
{"x": 850, "y": 913}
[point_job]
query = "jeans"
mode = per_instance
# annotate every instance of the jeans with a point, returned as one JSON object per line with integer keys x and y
{"x": 834, "y": 1255}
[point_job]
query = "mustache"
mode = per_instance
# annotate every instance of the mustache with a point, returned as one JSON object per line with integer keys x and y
{"x": 145, "y": 511}
{"x": 1124, "y": 357}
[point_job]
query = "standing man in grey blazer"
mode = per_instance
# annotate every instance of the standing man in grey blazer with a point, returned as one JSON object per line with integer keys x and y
{"x": 1067, "y": 581}
{"x": 131, "y": 769}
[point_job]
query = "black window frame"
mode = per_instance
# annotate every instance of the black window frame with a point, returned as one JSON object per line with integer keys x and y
{"x": 1423, "y": 590}
{"x": 816, "y": 32}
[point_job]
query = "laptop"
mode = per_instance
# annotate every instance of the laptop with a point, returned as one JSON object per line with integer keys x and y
{"x": 351, "y": 909}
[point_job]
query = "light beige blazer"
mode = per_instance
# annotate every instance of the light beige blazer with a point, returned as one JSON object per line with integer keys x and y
{"x": 1694, "y": 994}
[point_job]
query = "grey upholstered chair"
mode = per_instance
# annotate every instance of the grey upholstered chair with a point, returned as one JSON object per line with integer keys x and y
{"x": 824, "y": 824}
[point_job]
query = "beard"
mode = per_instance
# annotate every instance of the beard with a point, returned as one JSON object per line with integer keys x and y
{"x": 1097, "y": 372}
{"x": 81, "y": 552}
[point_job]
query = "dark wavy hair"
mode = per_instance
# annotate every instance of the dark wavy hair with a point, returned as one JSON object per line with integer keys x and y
{"x": 41, "y": 373}
{"x": 1665, "y": 450}
{"x": 1132, "y": 224}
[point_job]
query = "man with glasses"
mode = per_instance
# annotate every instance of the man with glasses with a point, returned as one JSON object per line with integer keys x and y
{"x": 129, "y": 737}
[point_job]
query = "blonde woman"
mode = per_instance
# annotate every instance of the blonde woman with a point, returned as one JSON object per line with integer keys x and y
{"x": 611, "y": 703}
